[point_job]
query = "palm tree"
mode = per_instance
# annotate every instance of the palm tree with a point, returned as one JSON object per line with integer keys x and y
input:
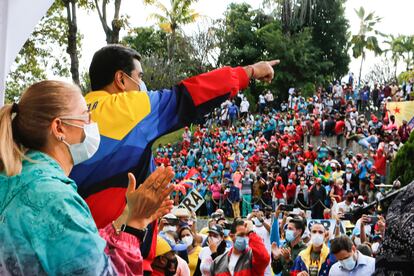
{"x": 365, "y": 39}
{"x": 295, "y": 13}
{"x": 396, "y": 49}
{"x": 407, "y": 45}
{"x": 170, "y": 20}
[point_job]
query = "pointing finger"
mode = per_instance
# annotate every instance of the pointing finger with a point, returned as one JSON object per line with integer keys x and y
{"x": 274, "y": 62}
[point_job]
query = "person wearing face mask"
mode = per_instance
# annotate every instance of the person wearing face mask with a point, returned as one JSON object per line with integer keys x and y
{"x": 166, "y": 261}
{"x": 317, "y": 197}
{"x": 348, "y": 204}
{"x": 283, "y": 258}
{"x": 350, "y": 260}
{"x": 214, "y": 246}
{"x": 315, "y": 260}
{"x": 130, "y": 118}
{"x": 46, "y": 228}
{"x": 262, "y": 227}
{"x": 186, "y": 236}
{"x": 350, "y": 179}
{"x": 248, "y": 256}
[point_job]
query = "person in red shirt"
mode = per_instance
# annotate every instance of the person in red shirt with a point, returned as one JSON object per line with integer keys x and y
{"x": 380, "y": 162}
{"x": 310, "y": 154}
{"x": 316, "y": 128}
{"x": 339, "y": 130}
{"x": 279, "y": 193}
{"x": 299, "y": 130}
{"x": 404, "y": 131}
{"x": 290, "y": 190}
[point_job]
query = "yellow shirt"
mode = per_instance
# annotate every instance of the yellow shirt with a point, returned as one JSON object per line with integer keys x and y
{"x": 193, "y": 259}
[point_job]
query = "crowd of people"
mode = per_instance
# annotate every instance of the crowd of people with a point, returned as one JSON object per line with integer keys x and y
{"x": 250, "y": 167}
{"x": 277, "y": 196}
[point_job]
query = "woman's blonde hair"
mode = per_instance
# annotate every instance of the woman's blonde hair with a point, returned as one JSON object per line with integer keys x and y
{"x": 26, "y": 125}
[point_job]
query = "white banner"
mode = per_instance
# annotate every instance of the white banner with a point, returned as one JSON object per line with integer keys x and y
{"x": 329, "y": 224}
{"x": 17, "y": 21}
{"x": 192, "y": 201}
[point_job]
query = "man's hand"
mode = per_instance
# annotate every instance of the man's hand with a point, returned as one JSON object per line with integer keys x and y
{"x": 276, "y": 251}
{"x": 286, "y": 254}
{"x": 249, "y": 226}
{"x": 212, "y": 245}
{"x": 262, "y": 70}
{"x": 303, "y": 273}
{"x": 364, "y": 220}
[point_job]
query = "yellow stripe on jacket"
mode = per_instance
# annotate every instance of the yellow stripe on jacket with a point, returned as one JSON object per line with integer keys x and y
{"x": 117, "y": 114}
{"x": 306, "y": 256}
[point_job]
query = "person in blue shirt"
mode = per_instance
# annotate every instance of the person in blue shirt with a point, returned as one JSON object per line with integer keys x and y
{"x": 349, "y": 260}
{"x": 234, "y": 197}
{"x": 363, "y": 166}
{"x": 233, "y": 113}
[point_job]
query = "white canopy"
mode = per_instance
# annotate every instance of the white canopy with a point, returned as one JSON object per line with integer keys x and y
{"x": 17, "y": 21}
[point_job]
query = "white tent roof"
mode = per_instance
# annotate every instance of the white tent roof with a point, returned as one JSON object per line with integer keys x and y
{"x": 17, "y": 21}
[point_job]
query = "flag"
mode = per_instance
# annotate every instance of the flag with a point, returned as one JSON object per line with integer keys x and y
{"x": 402, "y": 111}
{"x": 15, "y": 27}
{"x": 322, "y": 172}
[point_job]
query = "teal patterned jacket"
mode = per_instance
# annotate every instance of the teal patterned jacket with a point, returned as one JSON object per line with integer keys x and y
{"x": 46, "y": 228}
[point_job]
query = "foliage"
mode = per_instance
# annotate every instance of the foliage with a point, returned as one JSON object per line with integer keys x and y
{"x": 158, "y": 70}
{"x": 401, "y": 166}
{"x": 171, "y": 19}
{"x": 366, "y": 39}
{"x": 406, "y": 76}
{"x": 250, "y": 35}
{"x": 330, "y": 35}
{"x": 42, "y": 53}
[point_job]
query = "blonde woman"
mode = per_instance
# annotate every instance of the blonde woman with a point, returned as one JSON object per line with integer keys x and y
{"x": 46, "y": 228}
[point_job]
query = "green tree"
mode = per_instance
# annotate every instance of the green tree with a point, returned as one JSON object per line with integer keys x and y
{"x": 396, "y": 49}
{"x": 159, "y": 72}
{"x": 366, "y": 38}
{"x": 407, "y": 45}
{"x": 330, "y": 35}
{"x": 171, "y": 19}
{"x": 402, "y": 165}
{"x": 251, "y": 35}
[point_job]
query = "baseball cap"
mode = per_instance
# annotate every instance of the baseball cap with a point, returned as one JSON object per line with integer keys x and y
{"x": 216, "y": 229}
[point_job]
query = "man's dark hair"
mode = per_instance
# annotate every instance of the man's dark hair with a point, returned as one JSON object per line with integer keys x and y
{"x": 107, "y": 61}
{"x": 236, "y": 222}
{"x": 365, "y": 249}
{"x": 341, "y": 243}
{"x": 299, "y": 224}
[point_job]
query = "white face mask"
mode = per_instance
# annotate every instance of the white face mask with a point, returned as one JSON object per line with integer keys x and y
{"x": 188, "y": 240}
{"x": 348, "y": 263}
{"x": 85, "y": 150}
{"x": 170, "y": 228}
{"x": 357, "y": 241}
{"x": 317, "y": 239}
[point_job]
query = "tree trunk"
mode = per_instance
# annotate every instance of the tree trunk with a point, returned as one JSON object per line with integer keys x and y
{"x": 112, "y": 35}
{"x": 116, "y": 24}
{"x": 360, "y": 68}
{"x": 395, "y": 69}
{"x": 72, "y": 48}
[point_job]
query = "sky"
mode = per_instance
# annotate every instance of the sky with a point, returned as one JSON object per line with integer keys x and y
{"x": 395, "y": 14}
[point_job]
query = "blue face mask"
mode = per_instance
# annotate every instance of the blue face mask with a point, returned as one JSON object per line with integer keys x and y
{"x": 226, "y": 232}
{"x": 290, "y": 235}
{"x": 241, "y": 243}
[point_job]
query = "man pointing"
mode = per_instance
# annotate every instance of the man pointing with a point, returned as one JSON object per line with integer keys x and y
{"x": 130, "y": 120}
